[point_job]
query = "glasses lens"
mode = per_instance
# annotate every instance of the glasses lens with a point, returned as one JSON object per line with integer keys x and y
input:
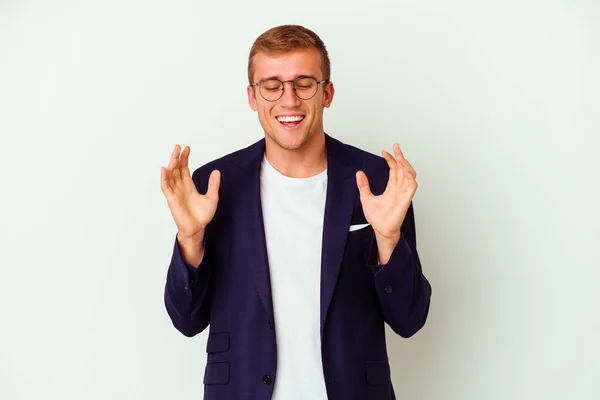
{"x": 271, "y": 89}
{"x": 305, "y": 88}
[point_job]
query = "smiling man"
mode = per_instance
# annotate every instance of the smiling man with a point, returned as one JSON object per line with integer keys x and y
{"x": 296, "y": 250}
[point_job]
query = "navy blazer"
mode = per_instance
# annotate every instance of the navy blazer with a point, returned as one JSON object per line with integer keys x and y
{"x": 231, "y": 290}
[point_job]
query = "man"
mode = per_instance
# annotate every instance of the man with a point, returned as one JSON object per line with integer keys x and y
{"x": 293, "y": 256}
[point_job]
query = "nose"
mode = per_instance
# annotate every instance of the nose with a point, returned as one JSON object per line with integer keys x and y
{"x": 289, "y": 98}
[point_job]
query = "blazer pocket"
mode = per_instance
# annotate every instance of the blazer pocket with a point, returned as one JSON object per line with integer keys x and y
{"x": 216, "y": 373}
{"x": 360, "y": 234}
{"x": 378, "y": 372}
{"x": 217, "y": 342}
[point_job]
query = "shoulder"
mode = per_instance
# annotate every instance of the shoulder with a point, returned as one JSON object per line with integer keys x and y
{"x": 233, "y": 160}
{"x": 374, "y": 166}
{"x": 366, "y": 161}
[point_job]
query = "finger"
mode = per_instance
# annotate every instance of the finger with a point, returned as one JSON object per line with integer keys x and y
{"x": 184, "y": 169}
{"x": 392, "y": 164}
{"x": 174, "y": 165}
{"x": 403, "y": 161}
{"x": 167, "y": 176}
{"x": 164, "y": 182}
{"x": 174, "y": 161}
{"x": 413, "y": 185}
{"x": 390, "y": 159}
{"x": 403, "y": 177}
{"x": 214, "y": 182}
{"x": 362, "y": 182}
{"x": 174, "y": 157}
{"x": 398, "y": 151}
{"x": 399, "y": 155}
{"x": 411, "y": 171}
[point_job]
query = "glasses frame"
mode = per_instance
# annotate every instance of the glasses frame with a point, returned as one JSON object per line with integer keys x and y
{"x": 293, "y": 82}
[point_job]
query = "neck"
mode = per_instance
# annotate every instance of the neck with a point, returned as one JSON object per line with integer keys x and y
{"x": 308, "y": 160}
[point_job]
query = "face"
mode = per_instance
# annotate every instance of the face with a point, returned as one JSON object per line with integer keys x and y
{"x": 290, "y": 123}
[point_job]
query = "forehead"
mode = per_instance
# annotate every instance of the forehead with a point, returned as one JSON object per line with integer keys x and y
{"x": 287, "y": 65}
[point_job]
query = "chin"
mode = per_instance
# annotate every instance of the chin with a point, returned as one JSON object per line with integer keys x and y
{"x": 288, "y": 142}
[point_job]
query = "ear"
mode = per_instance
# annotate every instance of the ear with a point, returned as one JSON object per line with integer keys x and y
{"x": 251, "y": 98}
{"x": 328, "y": 97}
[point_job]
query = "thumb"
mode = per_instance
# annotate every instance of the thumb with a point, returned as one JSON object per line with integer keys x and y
{"x": 362, "y": 182}
{"x": 214, "y": 181}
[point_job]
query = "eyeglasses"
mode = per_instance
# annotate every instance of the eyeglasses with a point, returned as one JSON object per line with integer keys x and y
{"x": 305, "y": 87}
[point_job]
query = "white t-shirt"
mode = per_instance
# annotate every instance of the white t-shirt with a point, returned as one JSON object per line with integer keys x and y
{"x": 293, "y": 212}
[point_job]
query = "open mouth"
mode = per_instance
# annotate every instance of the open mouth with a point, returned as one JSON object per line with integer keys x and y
{"x": 290, "y": 121}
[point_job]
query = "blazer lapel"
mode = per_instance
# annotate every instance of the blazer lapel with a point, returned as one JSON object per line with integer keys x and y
{"x": 254, "y": 243}
{"x": 339, "y": 206}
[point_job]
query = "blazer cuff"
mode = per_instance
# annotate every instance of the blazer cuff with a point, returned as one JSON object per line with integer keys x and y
{"x": 401, "y": 254}
{"x": 186, "y": 270}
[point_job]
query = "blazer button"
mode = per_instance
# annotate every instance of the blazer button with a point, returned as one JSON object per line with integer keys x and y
{"x": 388, "y": 289}
{"x": 267, "y": 379}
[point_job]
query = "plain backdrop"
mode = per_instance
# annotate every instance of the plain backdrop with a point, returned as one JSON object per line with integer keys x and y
{"x": 495, "y": 103}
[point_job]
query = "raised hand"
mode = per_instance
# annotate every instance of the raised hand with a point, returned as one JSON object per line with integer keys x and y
{"x": 387, "y": 211}
{"x": 191, "y": 210}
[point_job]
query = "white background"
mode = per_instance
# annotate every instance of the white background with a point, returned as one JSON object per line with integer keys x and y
{"x": 495, "y": 103}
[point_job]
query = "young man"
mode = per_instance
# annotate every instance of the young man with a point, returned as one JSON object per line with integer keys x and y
{"x": 293, "y": 256}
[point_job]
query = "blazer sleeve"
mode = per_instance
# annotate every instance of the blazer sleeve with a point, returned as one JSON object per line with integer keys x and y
{"x": 403, "y": 290}
{"x": 187, "y": 289}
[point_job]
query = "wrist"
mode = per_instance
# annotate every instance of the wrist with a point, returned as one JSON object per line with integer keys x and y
{"x": 388, "y": 241}
{"x": 192, "y": 247}
{"x": 196, "y": 238}
{"x": 386, "y": 246}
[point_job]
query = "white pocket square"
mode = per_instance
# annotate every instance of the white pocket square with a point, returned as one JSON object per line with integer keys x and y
{"x": 357, "y": 227}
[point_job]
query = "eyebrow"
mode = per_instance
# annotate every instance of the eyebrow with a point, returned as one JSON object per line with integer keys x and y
{"x": 276, "y": 77}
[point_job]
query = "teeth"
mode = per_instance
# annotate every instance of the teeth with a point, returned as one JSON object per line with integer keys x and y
{"x": 294, "y": 118}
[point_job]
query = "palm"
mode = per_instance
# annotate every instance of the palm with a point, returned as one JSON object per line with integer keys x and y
{"x": 191, "y": 210}
{"x": 387, "y": 211}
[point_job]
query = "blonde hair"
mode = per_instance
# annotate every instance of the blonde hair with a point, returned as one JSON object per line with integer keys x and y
{"x": 286, "y": 38}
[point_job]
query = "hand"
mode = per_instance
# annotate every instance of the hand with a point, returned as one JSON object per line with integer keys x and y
{"x": 191, "y": 210}
{"x": 387, "y": 211}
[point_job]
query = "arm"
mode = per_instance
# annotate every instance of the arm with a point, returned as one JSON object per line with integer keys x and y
{"x": 187, "y": 290}
{"x": 403, "y": 291}
{"x": 187, "y": 296}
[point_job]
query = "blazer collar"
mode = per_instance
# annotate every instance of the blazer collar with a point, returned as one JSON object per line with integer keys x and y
{"x": 338, "y": 156}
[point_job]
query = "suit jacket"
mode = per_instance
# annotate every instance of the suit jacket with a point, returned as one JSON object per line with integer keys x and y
{"x": 231, "y": 291}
